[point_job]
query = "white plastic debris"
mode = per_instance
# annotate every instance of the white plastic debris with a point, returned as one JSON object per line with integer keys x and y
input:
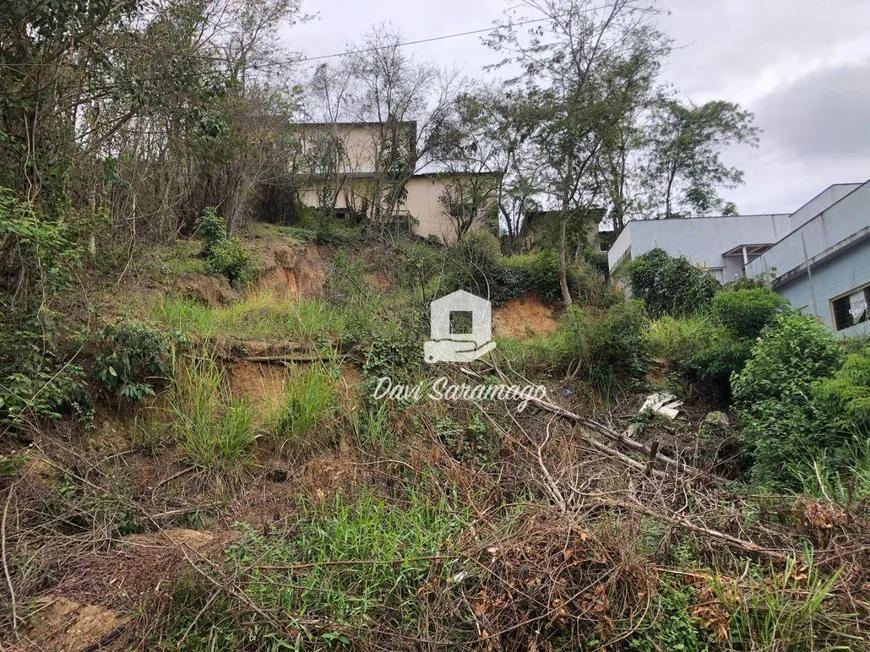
{"x": 662, "y": 403}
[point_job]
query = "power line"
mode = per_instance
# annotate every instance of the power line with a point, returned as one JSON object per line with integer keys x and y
{"x": 422, "y": 40}
{"x": 444, "y": 37}
{"x": 289, "y": 62}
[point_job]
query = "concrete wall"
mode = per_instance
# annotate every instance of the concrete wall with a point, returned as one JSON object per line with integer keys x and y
{"x": 831, "y": 279}
{"x": 834, "y": 228}
{"x": 821, "y": 202}
{"x": 361, "y": 142}
{"x": 702, "y": 240}
{"x": 423, "y": 204}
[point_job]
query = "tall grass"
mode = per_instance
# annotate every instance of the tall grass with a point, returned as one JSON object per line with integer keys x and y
{"x": 371, "y": 530}
{"x": 214, "y": 429}
{"x": 306, "y": 414}
{"x": 787, "y": 610}
{"x": 262, "y": 316}
{"x": 676, "y": 340}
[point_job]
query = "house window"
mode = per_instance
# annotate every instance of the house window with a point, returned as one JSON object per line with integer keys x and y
{"x": 852, "y": 308}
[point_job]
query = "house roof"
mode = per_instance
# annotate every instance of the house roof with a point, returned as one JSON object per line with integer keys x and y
{"x": 351, "y": 123}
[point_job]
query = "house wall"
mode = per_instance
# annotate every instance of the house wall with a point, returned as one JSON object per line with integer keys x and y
{"x": 821, "y": 202}
{"x": 361, "y": 142}
{"x": 423, "y": 204}
{"x": 834, "y": 228}
{"x": 831, "y": 279}
{"x": 702, "y": 240}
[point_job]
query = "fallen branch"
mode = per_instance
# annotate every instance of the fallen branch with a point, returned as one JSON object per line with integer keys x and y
{"x": 601, "y": 429}
{"x": 289, "y": 357}
{"x": 735, "y": 542}
{"x": 6, "y": 572}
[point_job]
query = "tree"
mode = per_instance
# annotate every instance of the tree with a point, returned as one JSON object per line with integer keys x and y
{"x": 490, "y": 131}
{"x": 584, "y": 67}
{"x": 686, "y": 141}
{"x": 469, "y": 198}
{"x": 408, "y": 102}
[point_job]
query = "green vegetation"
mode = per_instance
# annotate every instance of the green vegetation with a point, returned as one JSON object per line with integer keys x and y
{"x": 784, "y": 425}
{"x": 260, "y": 316}
{"x": 133, "y": 360}
{"x": 214, "y": 429}
{"x": 669, "y": 286}
{"x": 314, "y": 580}
{"x": 276, "y": 503}
{"x": 310, "y": 403}
{"x": 224, "y": 255}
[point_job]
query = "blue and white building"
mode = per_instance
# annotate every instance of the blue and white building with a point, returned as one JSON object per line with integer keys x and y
{"x": 817, "y": 257}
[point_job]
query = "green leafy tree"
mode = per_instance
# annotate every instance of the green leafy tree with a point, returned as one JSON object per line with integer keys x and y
{"x": 668, "y": 285}
{"x": 583, "y": 68}
{"x": 685, "y": 142}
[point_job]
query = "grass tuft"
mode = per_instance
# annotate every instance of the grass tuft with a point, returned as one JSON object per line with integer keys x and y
{"x": 214, "y": 429}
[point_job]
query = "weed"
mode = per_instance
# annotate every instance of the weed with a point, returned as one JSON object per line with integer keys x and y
{"x": 214, "y": 430}
{"x": 262, "y": 316}
{"x": 786, "y": 610}
{"x": 310, "y": 402}
{"x": 224, "y": 255}
{"x": 133, "y": 360}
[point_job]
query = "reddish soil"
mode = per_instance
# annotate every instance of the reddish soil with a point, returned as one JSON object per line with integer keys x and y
{"x": 291, "y": 272}
{"x": 210, "y": 290}
{"x": 522, "y": 318}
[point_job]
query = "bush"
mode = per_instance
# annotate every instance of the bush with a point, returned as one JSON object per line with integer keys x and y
{"x": 670, "y": 286}
{"x": 230, "y": 259}
{"x": 846, "y": 395}
{"x": 608, "y": 350}
{"x": 133, "y": 360}
{"x": 225, "y": 256}
{"x": 712, "y": 347}
{"x": 774, "y": 394}
{"x": 677, "y": 340}
{"x": 747, "y": 311}
{"x": 36, "y": 381}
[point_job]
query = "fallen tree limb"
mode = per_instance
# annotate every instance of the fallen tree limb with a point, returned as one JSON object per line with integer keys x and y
{"x": 611, "y": 434}
{"x": 289, "y": 357}
{"x": 684, "y": 523}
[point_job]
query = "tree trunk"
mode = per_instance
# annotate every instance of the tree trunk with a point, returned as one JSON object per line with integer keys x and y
{"x": 563, "y": 264}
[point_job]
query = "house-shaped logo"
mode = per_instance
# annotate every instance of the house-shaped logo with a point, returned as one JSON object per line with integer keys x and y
{"x": 473, "y": 342}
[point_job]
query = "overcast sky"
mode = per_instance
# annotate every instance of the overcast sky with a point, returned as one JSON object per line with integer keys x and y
{"x": 803, "y": 66}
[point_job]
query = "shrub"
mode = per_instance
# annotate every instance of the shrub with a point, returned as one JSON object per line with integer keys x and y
{"x": 747, "y": 311}
{"x": 230, "y": 259}
{"x": 212, "y": 228}
{"x": 309, "y": 406}
{"x": 606, "y": 350}
{"x": 224, "y": 255}
{"x": 472, "y": 264}
{"x": 677, "y": 340}
{"x": 846, "y": 395}
{"x": 36, "y": 381}
{"x": 773, "y": 393}
{"x": 133, "y": 360}
{"x": 670, "y": 286}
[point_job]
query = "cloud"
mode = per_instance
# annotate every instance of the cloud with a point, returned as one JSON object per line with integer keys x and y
{"x": 821, "y": 116}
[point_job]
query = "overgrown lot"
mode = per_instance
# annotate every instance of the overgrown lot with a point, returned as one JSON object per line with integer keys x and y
{"x": 192, "y": 465}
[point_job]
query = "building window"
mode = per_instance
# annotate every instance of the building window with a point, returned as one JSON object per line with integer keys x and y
{"x": 852, "y": 308}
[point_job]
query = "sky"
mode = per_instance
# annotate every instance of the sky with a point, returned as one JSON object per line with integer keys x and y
{"x": 802, "y": 66}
